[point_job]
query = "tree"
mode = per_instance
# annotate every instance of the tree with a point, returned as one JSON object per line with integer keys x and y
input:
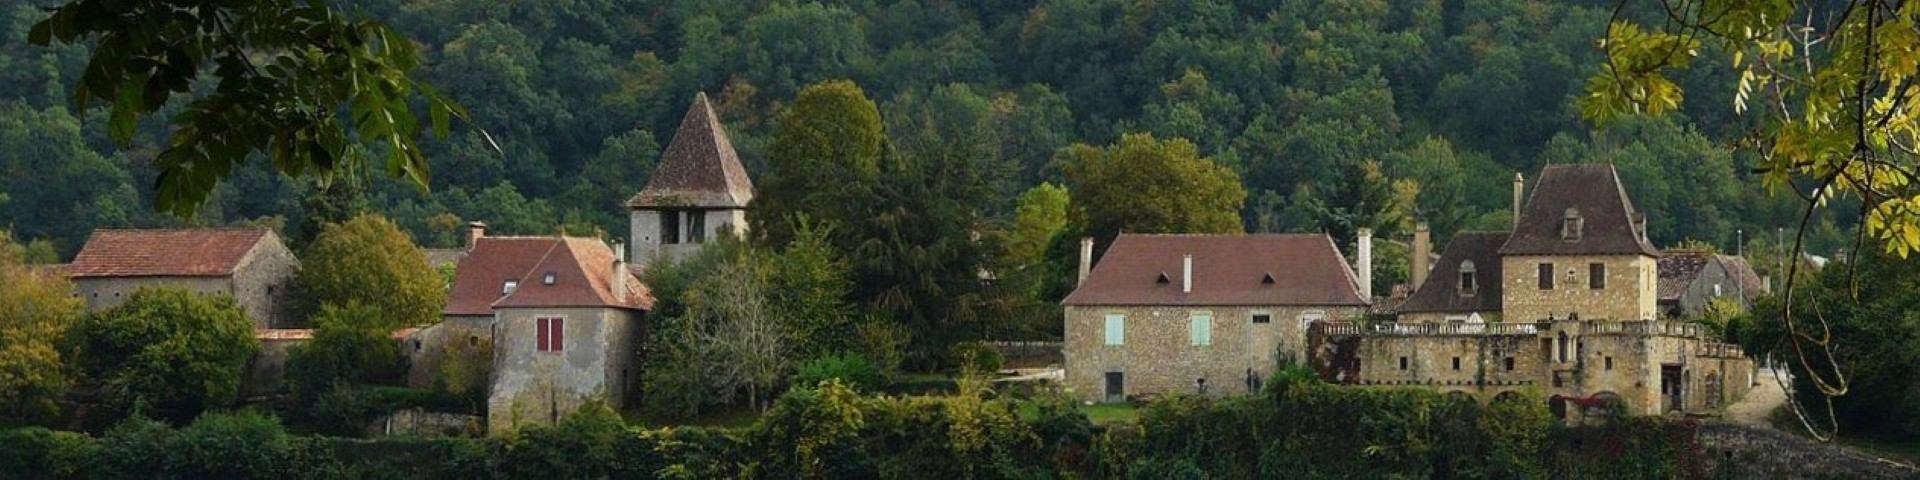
{"x": 1147, "y": 185}
{"x": 1872, "y": 308}
{"x": 167, "y": 350}
{"x": 297, "y": 82}
{"x": 1041, "y": 214}
{"x": 738, "y": 334}
{"x": 352, "y": 344}
{"x": 36, "y": 309}
{"x": 369, "y": 261}
{"x": 1831, "y": 85}
{"x": 825, "y": 152}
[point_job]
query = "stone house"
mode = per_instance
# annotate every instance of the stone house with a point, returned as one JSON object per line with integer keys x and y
{"x": 251, "y": 264}
{"x": 1691, "y": 279}
{"x": 486, "y": 270}
{"x": 1570, "y": 313}
{"x": 699, "y": 191}
{"x": 566, "y": 334}
{"x": 1209, "y": 314}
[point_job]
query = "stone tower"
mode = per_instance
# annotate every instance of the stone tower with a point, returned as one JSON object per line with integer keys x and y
{"x": 698, "y": 191}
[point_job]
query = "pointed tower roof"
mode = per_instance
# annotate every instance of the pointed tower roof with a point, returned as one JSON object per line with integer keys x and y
{"x": 699, "y": 167}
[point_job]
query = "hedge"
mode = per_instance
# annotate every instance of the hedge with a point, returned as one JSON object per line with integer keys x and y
{"x": 1293, "y": 431}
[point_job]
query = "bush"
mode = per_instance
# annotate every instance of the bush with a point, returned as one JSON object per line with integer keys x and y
{"x": 36, "y": 452}
{"x": 850, "y": 368}
{"x": 975, "y": 357}
{"x": 347, "y": 410}
{"x": 170, "y": 349}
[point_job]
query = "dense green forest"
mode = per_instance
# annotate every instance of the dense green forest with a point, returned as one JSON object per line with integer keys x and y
{"x": 1334, "y": 115}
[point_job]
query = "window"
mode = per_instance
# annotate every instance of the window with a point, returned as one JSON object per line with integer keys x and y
{"x": 1716, "y": 289}
{"x": 508, "y": 286}
{"x": 1200, "y": 328}
{"x": 696, "y": 227}
{"x": 1570, "y": 225}
{"x": 1200, "y": 385}
{"x": 1596, "y": 276}
{"x": 1308, "y": 317}
{"x": 1609, "y": 363}
{"x": 1546, "y": 276}
{"x": 669, "y": 226}
{"x": 1403, "y": 363}
{"x": 1467, "y": 285}
{"x": 1262, "y": 317}
{"x": 1116, "y": 329}
{"x": 1509, "y": 364}
{"x": 1456, "y": 363}
{"x": 549, "y": 334}
{"x": 547, "y": 279}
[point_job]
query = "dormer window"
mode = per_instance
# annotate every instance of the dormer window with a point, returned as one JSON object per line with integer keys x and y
{"x": 547, "y": 279}
{"x": 508, "y": 286}
{"x": 1163, "y": 280}
{"x": 1268, "y": 279}
{"x": 1467, "y": 285}
{"x": 1570, "y": 225}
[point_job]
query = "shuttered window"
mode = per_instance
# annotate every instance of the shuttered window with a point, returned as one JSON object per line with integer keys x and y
{"x": 1116, "y": 329}
{"x": 1200, "y": 328}
{"x": 549, "y": 334}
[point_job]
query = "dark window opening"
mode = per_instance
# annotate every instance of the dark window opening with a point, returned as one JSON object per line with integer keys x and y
{"x": 669, "y": 227}
{"x": 1596, "y": 276}
{"x": 1262, "y": 318}
{"x": 1200, "y": 385}
{"x": 1403, "y": 363}
{"x": 1546, "y": 276}
{"x": 696, "y": 227}
{"x": 1509, "y": 364}
{"x": 1609, "y": 363}
{"x": 1456, "y": 363}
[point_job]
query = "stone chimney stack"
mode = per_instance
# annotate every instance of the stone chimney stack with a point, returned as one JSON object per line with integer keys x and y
{"x": 1422, "y": 248}
{"x": 620, "y": 273}
{"x": 1519, "y": 196}
{"x": 475, "y": 231}
{"x": 1363, "y": 257}
{"x": 1186, "y": 274}
{"x": 1086, "y": 259}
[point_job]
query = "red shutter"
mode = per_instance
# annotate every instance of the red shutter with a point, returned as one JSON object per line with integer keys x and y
{"x": 559, "y": 326}
{"x": 540, "y": 334}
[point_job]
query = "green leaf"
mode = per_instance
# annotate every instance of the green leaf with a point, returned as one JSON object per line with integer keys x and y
{"x": 126, "y": 109}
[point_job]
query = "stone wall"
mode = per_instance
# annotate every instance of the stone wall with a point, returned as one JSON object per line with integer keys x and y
{"x": 422, "y": 423}
{"x": 102, "y": 293}
{"x": 267, "y": 370}
{"x": 1464, "y": 363}
{"x": 531, "y": 387}
{"x": 1629, "y": 293}
{"x": 645, "y": 239}
{"x": 427, "y": 349}
{"x": 260, "y": 284}
{"x": 1694, "y": 299}
{"x": 1158, "y": 357}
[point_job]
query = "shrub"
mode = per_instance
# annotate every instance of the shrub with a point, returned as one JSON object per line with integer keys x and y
{"x": 975, "y": 357}
{"x": 168, "y": 348}
{"x": 581, "y": 446}
{"x": 36, "y": 452}
{"x": 850, "y": 368}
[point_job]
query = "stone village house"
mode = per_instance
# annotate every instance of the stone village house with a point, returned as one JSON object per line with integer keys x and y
{"x": 1565, "y": 304}
{"x": 1209, "y": 314}
{"x": 251, "y": 264}
{"x": 1690, "y": 280}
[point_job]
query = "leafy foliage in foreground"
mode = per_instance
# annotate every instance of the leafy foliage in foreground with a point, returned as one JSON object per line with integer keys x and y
{"x": 169, "y": 351}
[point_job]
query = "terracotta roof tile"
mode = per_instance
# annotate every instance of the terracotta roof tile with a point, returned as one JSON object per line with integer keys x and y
{"x": 699, "y": 167}
{"x": 480, "y": 275}
{"x": 1441, "y": 292}
{"x": 582, "y": 271}
{"x": 1228, "y": 270}
{"x": 201, "y": 252}
{"x": 1605, "y": 211}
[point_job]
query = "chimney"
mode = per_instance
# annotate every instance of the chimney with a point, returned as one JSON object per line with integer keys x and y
{"x": 1086, "y": 259}
{"x": 1519, "y": 190}
{"x": 1364, "y": 257}
{"x": 620, "y": 273}
{"x": 1186, "y": 274}
{"x": 1422, "y": 247}
{"x": 475, "y": 230}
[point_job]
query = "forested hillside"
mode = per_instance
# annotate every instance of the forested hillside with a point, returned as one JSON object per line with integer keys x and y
{"x": 1334, "y": 114}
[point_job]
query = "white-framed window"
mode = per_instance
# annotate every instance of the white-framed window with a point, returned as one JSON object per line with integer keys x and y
{"x": 1200, "y": 328}
{"x": 1308, "y": 317}
{"x": 508, "y": 286}
{"x": 1116, "y": 329}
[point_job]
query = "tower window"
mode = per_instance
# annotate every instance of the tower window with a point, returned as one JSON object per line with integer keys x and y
{"x": 1546, "y": 276}
{"x": 696, "y": 227}
{"x": 1403, "y": 363}
{"x": 1596, "y": 276}
{"x": 669, "y": 227}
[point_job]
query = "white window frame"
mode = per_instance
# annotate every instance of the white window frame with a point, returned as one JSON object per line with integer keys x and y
{"x": 1116, "y": 329}
{"x": 1307, "y": 317}
{"x": 1200, "y": 328}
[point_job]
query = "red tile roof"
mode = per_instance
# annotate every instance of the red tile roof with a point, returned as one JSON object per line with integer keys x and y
{"x": 481, "y": 274}
{"x": 699, "y": 168}
{"x": 1227, "y": 270}
{"x": 582, "y": 271}
{"x": 199, "y": 252}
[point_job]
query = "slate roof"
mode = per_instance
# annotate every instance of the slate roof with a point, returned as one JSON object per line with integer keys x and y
{"x": 1750, "y": 282}
{"x": 480, "y": 274}
{"x": 583, "y": 277}
{"x": 1441, "y": 292}
{"x": 1227, "y": 270}
{"x": 699, "y": 167}
{"x": 195, "y": 252}
{"x": 1605, "y": 210}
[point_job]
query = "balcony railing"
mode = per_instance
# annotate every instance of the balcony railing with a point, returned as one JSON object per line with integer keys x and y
{"x": 1647, "y": 327}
